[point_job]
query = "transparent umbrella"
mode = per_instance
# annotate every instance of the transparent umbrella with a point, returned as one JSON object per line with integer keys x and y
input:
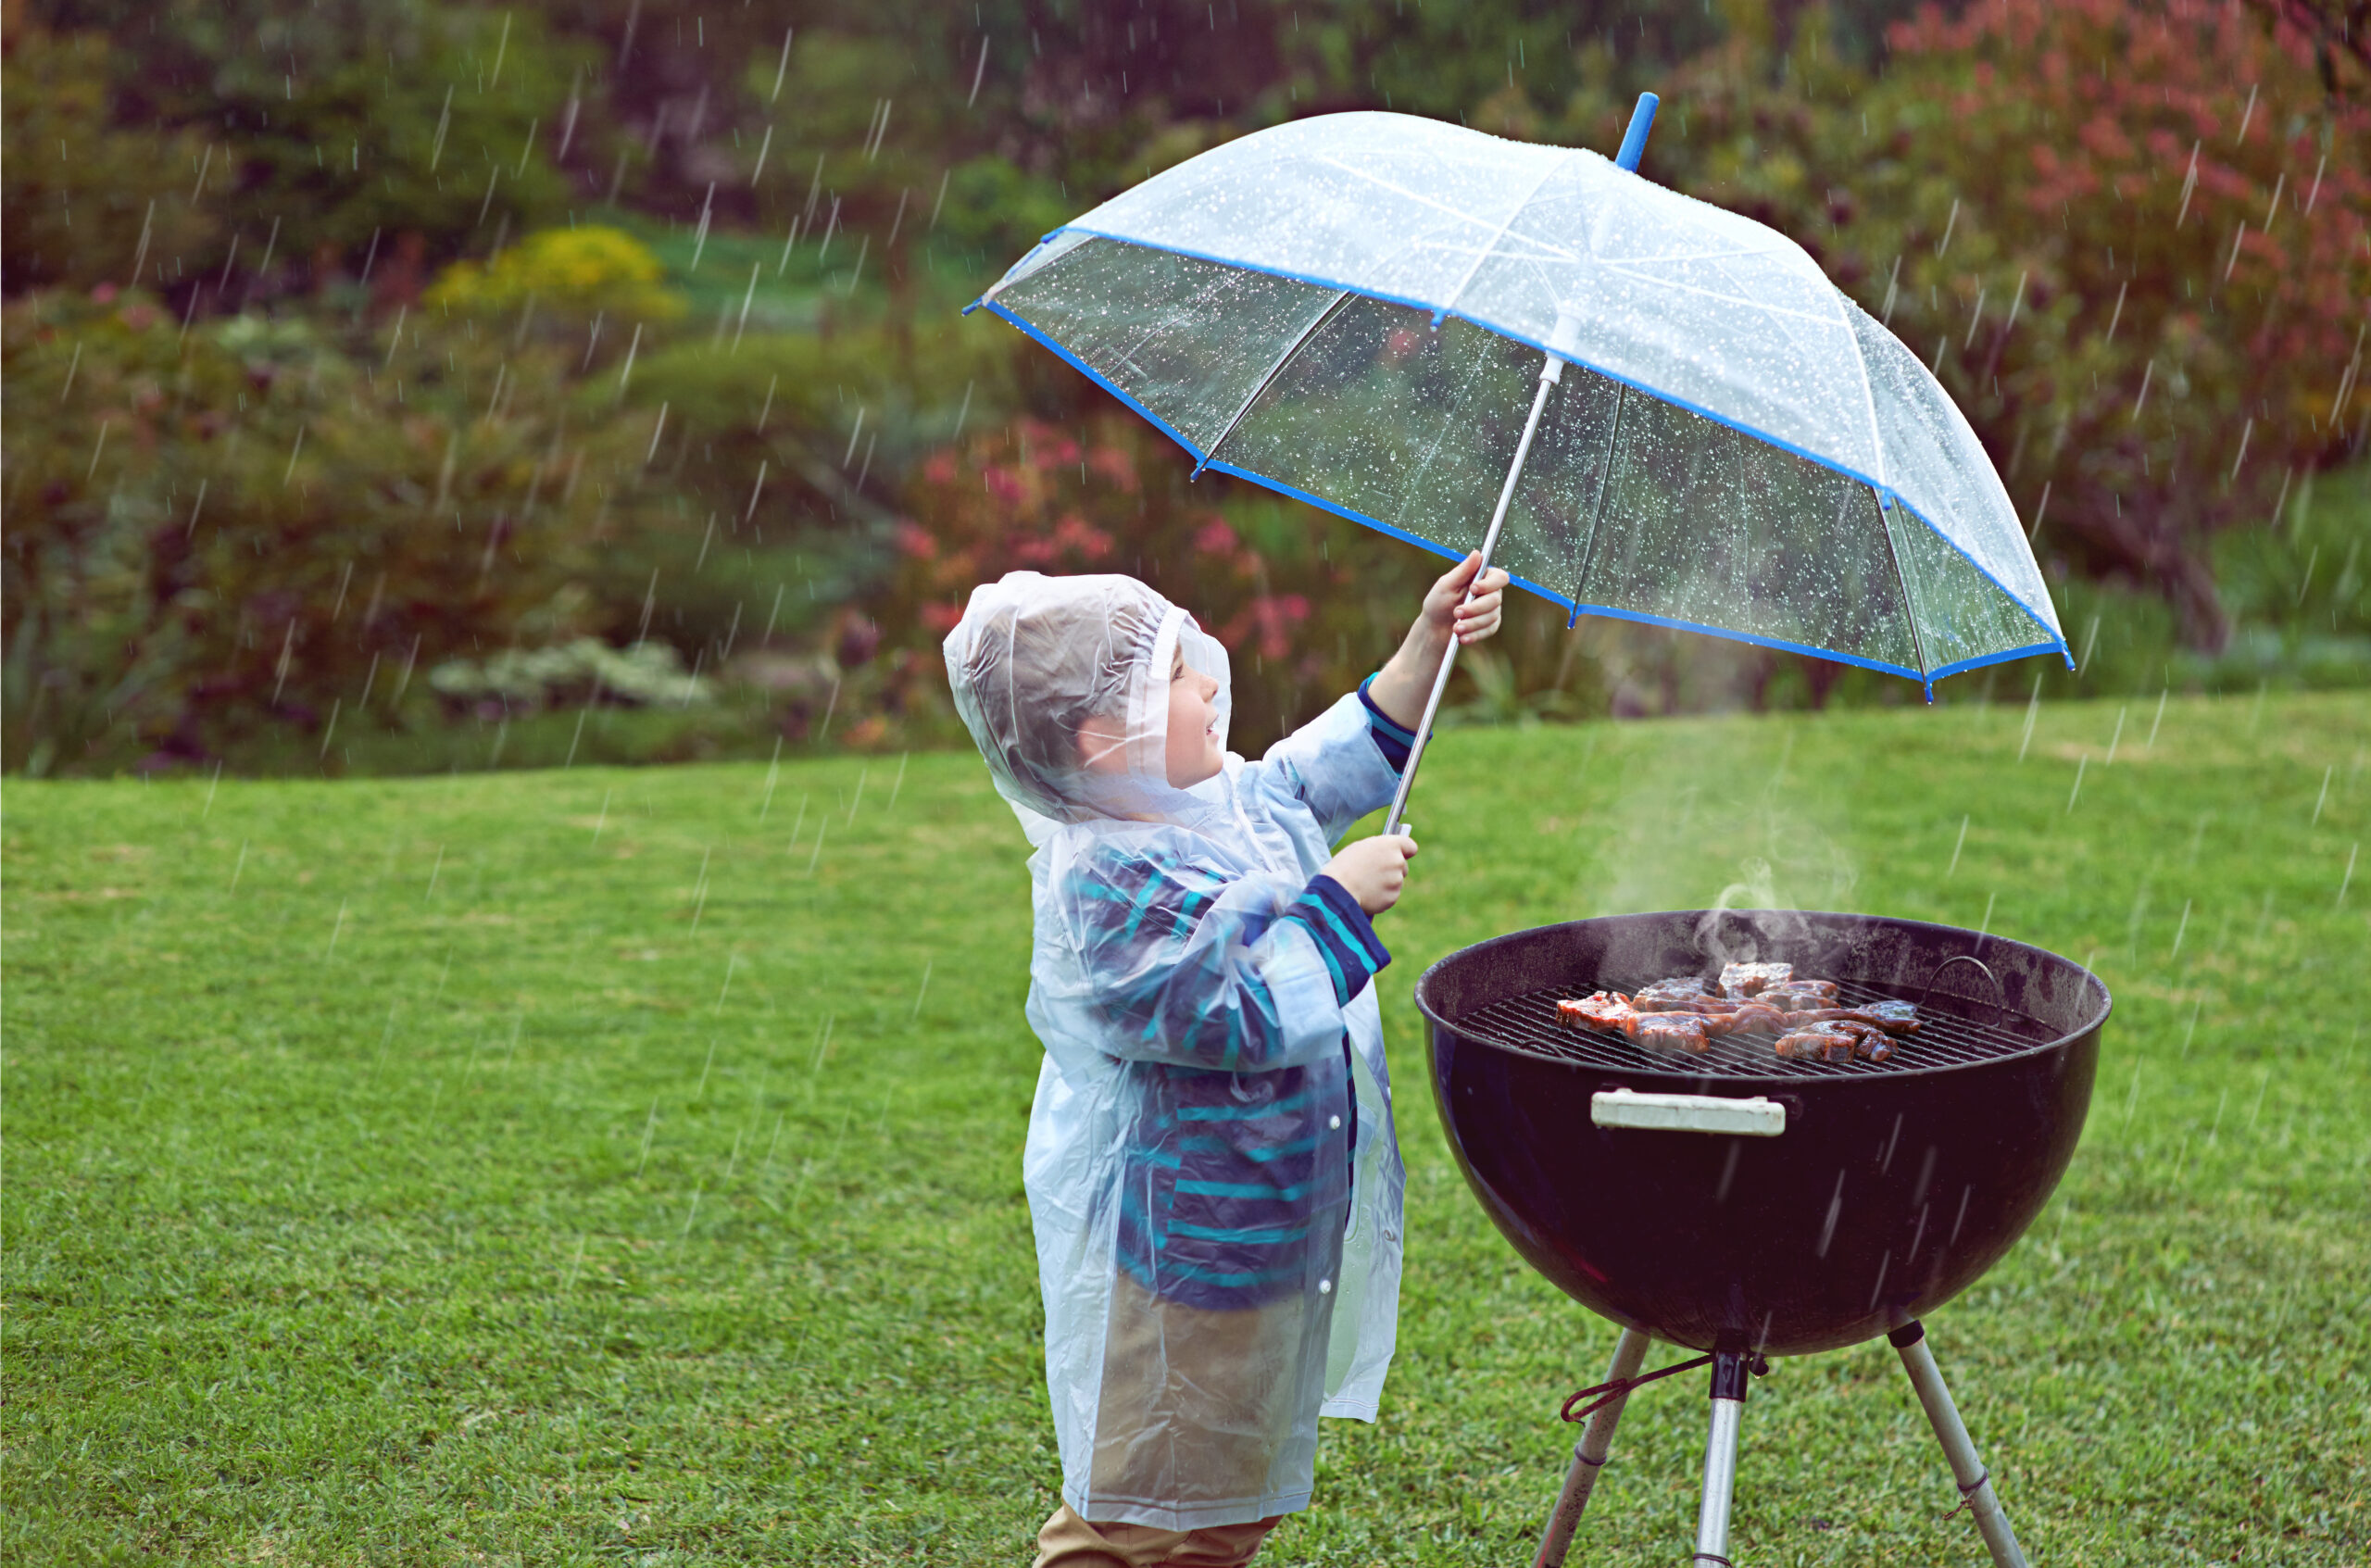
{"x": 1638, "y": 403}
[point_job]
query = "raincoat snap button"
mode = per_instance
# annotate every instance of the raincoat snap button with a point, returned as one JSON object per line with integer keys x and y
{"x": 1326, "y": 1288}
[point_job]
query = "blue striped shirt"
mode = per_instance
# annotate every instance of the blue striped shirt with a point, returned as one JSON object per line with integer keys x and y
{"x": 1236, "y": 1179}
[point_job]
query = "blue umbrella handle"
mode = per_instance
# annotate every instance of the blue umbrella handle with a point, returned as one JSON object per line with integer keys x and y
{"x": 1549, "y": 374}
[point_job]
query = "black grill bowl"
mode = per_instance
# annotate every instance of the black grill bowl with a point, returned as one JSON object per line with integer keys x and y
{"x": 1893, "y": 1188}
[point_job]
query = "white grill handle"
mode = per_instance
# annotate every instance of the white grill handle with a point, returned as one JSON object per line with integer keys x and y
{"x": 1755, "y": 1118}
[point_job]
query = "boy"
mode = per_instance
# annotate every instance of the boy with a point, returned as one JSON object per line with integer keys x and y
{"x": 1212, "y": 1177}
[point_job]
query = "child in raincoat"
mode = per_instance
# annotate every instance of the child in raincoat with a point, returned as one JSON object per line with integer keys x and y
{"x": 1212, "y": 1177}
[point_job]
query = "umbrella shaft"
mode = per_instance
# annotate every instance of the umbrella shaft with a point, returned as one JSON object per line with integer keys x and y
{"x": 1549, "y": 374}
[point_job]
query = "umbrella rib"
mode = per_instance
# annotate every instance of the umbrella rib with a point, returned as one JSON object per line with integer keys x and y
{"x": 1442, "y": 435}
{"x": 1868, "y": 392}
{"x": 1909, "y": 610}
{"x": 1731, "y": 299}
{"x": 1597, "y": 511}
{"x": 1513, "y": 213}
{"x": 1287, "y": 358}
{"x": 1439, "y": 205}
{"x": 1208, "y": 291}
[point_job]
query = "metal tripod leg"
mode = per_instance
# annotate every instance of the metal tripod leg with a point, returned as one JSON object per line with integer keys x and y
{"x": 1974, "y": 1481}
{"x": 1588, "y": 1456}
{"x": 1720, "y": 1458}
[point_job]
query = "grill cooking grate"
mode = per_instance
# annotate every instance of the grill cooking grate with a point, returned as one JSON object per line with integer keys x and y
{"x": 1951, "y": 1037}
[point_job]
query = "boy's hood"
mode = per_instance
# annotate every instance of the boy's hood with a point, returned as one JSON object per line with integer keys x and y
{"x": 1035, "y": 657}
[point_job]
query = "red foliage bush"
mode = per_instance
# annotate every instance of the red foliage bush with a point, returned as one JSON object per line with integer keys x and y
{"x": 2130, "y": 237}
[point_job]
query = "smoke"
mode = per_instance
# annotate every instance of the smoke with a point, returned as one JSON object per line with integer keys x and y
{"x": 1690, "y": 829}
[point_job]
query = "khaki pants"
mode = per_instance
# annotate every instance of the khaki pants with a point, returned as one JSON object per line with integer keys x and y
{"x": 1193, "y": 1407}
{"x": 1067, "y": 1541}
{"x": 1194, "y": 1402}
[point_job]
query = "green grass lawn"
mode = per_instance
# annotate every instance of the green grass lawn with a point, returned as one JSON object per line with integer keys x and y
{"x": 601, "y": 1166}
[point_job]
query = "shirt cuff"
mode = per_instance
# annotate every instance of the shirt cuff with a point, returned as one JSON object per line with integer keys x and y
{"x": 1393, "y": 741}
{"x": 1345, "y": 937}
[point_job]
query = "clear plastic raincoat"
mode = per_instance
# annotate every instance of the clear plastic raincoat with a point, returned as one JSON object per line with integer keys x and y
{"x": 1211, "y": 1171}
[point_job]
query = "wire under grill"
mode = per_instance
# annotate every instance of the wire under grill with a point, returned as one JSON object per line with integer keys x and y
{"x": 1954, "y": 1031}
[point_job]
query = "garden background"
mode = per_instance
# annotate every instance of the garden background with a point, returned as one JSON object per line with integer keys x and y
{"x": 408, "y": 386}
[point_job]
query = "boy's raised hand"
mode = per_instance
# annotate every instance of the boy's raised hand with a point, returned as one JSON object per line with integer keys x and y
{"x": 1448, "y": 610}
{"x": 1401, "y": 687}
{"x": 1372, "y": 870}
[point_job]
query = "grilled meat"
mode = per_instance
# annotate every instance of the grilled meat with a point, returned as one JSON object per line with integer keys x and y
{"x": 1816, "y": 1042}
{"x": 1672, "y": 1031}
{"x": 1604, "y": 1010}
{"x": 1795, "y": 995}
{"x": 1836, "y": 1040}
{"x": 1894, "y": 1018}
{"x": 1750, "y": 979}
{"x": 1684, "y": 1013}
{"x": 1673, "y": 996}
{"x": 1746, "y": 1018}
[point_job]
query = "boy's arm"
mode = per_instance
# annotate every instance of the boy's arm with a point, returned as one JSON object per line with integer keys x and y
{"x": 1188, "y": 967}
{"x": 1329, "y": 764}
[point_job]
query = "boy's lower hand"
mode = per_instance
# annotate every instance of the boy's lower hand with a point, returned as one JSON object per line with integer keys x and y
{"x": 1372, "y": 870}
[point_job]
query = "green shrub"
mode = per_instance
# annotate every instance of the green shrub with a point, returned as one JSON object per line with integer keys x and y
{"x": 583, "y": 671}
{"x": 239, "y": 527}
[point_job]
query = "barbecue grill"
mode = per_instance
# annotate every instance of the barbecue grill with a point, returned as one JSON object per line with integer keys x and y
{"x": 1750, "y": 1205}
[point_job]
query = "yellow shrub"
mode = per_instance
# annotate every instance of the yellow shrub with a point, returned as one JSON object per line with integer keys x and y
{"x": 581, "y": 269}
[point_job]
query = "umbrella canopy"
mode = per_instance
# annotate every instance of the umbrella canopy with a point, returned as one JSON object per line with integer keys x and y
{"x": 1352, "y": 310}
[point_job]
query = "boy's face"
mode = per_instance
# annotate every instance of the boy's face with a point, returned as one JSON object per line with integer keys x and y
{"x": 1194, "y": 753}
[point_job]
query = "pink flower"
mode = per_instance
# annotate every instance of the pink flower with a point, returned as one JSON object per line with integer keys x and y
{"x": 1075, "y": 534}
{"x": 1115, "y": 465}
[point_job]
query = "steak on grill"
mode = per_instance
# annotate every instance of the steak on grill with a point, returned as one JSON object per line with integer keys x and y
{"x": 1750, "y": 979}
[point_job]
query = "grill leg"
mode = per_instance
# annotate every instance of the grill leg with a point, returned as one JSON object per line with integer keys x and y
{"x": 1974, "y": 1481}
{"x": 1720, "y": 1458}
{"x": 1589, "y": 1457}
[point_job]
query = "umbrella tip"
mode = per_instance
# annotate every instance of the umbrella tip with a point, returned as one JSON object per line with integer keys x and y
{"x": 1634, "y": 141}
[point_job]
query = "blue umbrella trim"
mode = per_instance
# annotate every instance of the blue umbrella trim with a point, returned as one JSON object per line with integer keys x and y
{"x": 1097, "y": 377}
{"x": 2056, "y": 641}
{"x": 1928, "y": 680}
{"x": 1565, "y": 601}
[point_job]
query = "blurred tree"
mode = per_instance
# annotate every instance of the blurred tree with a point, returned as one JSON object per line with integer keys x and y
{"x": 331, "y": 130}
{"x": 2341, "y": 44}
{"x": 84, "y": 201}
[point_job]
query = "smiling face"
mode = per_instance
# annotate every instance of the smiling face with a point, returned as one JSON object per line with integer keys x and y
{"x": 1194, "y": 753}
